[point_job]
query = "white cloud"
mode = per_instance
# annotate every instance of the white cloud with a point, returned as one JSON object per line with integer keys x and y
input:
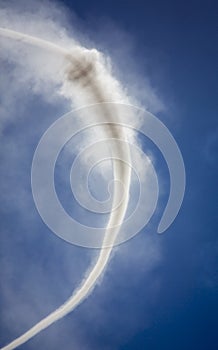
{"x": 28, "y": 71}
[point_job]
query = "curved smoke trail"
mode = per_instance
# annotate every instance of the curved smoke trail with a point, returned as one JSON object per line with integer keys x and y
{"x": 82, "y": 71}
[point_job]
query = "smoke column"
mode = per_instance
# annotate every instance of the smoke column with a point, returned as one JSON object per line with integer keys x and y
{"x": 81, "y": 71}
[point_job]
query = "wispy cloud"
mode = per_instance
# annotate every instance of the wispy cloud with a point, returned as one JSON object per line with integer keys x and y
{"x": 28, "y": 72}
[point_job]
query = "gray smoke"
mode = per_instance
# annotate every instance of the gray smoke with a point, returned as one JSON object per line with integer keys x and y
{"x": 87, "y": 77}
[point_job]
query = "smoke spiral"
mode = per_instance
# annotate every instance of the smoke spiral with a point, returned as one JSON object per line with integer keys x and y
{"x": 103, "y": 149}
{"x": 115, "y": 122}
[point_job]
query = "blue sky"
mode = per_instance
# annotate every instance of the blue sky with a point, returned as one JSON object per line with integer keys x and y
{"x": 159, "y": 292}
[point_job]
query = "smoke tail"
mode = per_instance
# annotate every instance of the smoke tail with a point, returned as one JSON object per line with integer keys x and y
{"x": 82, "y": 71}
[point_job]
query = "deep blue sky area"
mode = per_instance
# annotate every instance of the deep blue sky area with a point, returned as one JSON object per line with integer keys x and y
{"x": 175, "y": 305}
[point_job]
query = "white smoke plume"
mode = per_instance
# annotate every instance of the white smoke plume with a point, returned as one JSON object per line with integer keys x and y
{"x": 85, "y": 80}
{"x": 52, "y": 61}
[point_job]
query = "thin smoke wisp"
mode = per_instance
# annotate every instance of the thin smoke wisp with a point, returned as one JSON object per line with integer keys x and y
{"x": 86, "y": 75}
